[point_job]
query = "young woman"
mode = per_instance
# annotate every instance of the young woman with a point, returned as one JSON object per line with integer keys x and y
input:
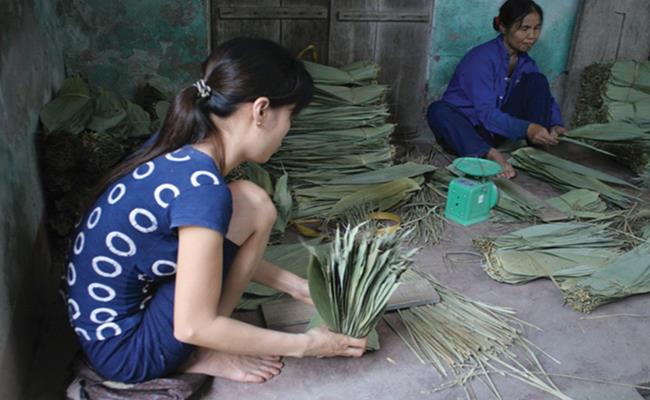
{"x": 498, "y": 93}
{"x": 162, "y": 257}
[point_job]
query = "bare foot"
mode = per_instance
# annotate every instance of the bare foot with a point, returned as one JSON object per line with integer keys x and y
{"x": 496, "y": 156}
{"x": 235, "y": 367}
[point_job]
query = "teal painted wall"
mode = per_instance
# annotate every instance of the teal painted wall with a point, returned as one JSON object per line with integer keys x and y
{"x": 31, "y": 68}
{"x": 460, "y": 25}
{"x": 121, "y": 44}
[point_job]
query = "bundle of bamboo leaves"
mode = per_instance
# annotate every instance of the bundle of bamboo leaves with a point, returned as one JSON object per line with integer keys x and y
{"x": 614, "y": 92}
{"x": 587, "y": 262}
{"x": 589, "y": 286}
{"x": 627, "y": 141}
{"x": 375, "y": 190}
{"x": 468, "y": 339}
{"x": 349, "y": 110}
{"x": 618, "y": 92}
{"x": 567, "y": 175}
{"x": 338, "y": 155}
{"x": 351, "y": 285}
{"x": 541, "y": 251}
{"x": 582, "y": 204}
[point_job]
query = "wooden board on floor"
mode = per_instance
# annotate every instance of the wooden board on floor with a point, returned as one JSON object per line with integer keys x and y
{"x": 288, "y": 312}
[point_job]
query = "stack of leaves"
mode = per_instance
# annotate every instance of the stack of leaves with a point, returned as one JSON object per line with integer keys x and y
{"x": 541, "y": 251}
{"x": 618, "y": 92}
{"x": 352, "y": 284}
{"x": 627, "y": 95}
{"x": 86, "y": 131}
{"x": 614, "y": 92}
{"x": 338, "y": 155}
{"x": 627, "y": 141}
{"x": 355, "y": 74}
{"x": 375, "y": 190}
{"x": 349, "y": 110}
{"x": 587, "y": 262}
{"x": 567, "y": 175}
{"x": 582, "y": 204}
{"x": 468, "y": 339}
{"x": 588, "y": 286}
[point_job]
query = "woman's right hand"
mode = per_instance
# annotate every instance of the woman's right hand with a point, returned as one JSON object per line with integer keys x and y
{"x": 325, "y": 343}
{"x": 539, "y": 135}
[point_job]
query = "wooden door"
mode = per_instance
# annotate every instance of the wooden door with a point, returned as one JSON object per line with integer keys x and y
{"x": 395, "y": 34}
{"x": 295, "y": 24}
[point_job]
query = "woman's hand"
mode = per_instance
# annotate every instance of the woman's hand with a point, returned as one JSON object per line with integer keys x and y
{"x": 558, "y": 130}
{"x": 325, "y": 343}
{"x": 538, "y": 135}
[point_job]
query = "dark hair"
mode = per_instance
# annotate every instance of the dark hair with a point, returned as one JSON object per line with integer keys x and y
{"x": 514, "y": 11}
{"x": 238, "y": 71}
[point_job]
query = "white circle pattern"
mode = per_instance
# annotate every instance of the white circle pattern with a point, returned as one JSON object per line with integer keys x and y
{"x": 141, "y": 175}
{"x": 117, "y": 268}
{"x": 195, "y": 177}
{"x": 144, "y": 229}
{"x": 108, "y": 325}
{"x": 156, "y": 267}
{"x": 103, "y": 310}
{"x": 79, "y": 242}
{"x": 73, "y": 309}
{"x": 165, "y": 186}
{"x": 112, "y": 198}
{"x": 71, "y": 274}
{"x": 172, "y": 157}
{"x": 82, "y": 332}
{"x": 93, "y": 287}
{"x": 93, "y": 219}
{"x": 115, "y": 234}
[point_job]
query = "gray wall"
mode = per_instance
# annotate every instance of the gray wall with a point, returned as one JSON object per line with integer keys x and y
{"x": 31, "y": 66}
{"x": 120, "y": 44}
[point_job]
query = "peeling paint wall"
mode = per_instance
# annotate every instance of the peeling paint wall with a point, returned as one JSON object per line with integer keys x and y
{"x": 123, "y": 43}
{"x": 460, "y": 25}
{"x": 31, "y": 67}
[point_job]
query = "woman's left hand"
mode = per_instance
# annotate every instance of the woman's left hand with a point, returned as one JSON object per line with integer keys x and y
{"x": 558, "y": 130}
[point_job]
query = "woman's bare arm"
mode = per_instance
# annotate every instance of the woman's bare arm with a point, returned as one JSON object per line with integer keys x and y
{"x": 197, "y": 321}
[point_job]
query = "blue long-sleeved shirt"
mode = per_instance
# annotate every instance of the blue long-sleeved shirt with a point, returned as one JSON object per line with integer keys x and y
{"x": 479, "y": 88}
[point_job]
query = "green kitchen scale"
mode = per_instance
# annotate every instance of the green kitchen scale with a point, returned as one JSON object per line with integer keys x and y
{"x": 469, "y": 200}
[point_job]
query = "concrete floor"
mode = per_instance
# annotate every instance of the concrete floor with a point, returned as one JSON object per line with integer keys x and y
{"x": 612, "y": 348}
{"x": 615, "y": 348}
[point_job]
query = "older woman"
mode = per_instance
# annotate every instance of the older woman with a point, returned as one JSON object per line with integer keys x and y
{"x": 497, "y": 92}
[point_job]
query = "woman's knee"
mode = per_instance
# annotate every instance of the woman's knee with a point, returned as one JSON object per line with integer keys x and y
{"x": 253, "y": 204}
{"x": 436, "y": 112}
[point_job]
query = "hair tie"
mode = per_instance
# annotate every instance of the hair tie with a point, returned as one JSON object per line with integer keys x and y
{"x": 497, "y": 20}
{"x": 203, "y": 88}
